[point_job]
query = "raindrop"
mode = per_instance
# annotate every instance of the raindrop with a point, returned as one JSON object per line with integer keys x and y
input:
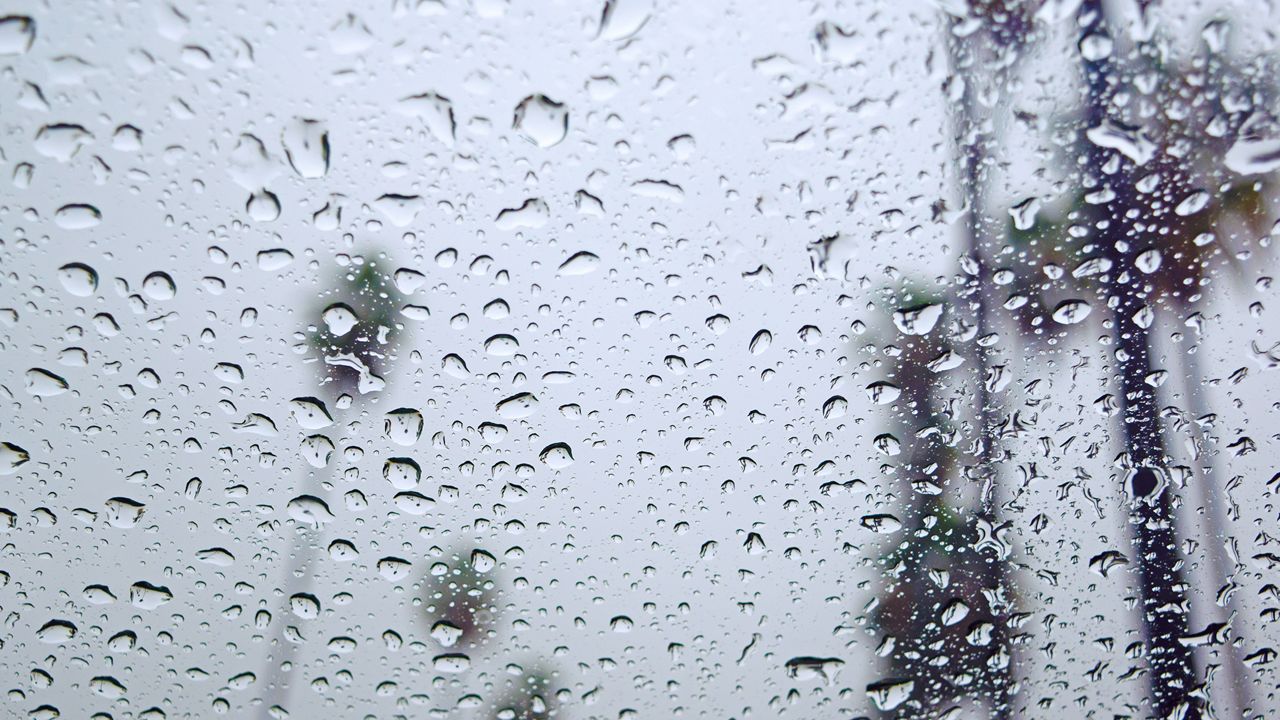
{"x": 881, "y": 523}
{"x": 1070, "y": 312}
{"x": 918, "y": 320}
{"x": 339, "y": 318}
{"x": 541, "y": 120}
{"x": 435, "y": 111}
{"x": 147, "y": 596}
{"x": 42, "y": 383}
{"x": 403, "y": 426}
{"x": 17, "y": 34}
{"x": 760, "y": 342}
{"x": 56, "y": 632}
{"x": 883, "y": 393}
{"x": 532, "y": 213}
{"x": 274, "y": 259}
{"x": 835, "y": 407}
{"x": 399, "y": 210}
{"x": 556, "y": 456}
{"x": 501, "y": 345}
{"x": 623, "y": 18}
{"x": 78, "y": 279}
{"x": 159, "y": 286}
{"x": 518, "y": 406}
{"x": 1148, "y": 261}
{"x": 580, "y": 263}
{"x": 11, "y": 458}
{"x": 402, "y": 473}
{"x": 310, "y": 413}
{"x": 889, "y": 694}
{"x": 306, "y": 147}
{"x": 77, "y": 217}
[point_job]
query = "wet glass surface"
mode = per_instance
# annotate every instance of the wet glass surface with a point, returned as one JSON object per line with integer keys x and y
{"x": 630, "y": 359}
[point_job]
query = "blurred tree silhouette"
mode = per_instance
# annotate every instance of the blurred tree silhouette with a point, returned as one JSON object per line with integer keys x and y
{"x": 1157, "y": 210}
{"x": 353, "y": 362}
{"x": 945, "y": 606}
{"x": 985, "y": 39}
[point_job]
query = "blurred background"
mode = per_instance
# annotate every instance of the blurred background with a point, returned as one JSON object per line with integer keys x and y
{"x": 630, "y": 359}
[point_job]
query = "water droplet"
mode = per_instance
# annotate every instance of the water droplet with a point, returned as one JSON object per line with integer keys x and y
{"x": 304, "y": 605}
{"x": 42, "y": 383}
{"x": 1070, "y": 312}
{"x": 1024, "y": 213}
{"x": 541, "y": 120}
{"x": 811, "y": 668}
{"x": 11, "y": 458}
{"x": 881, "y": 523}
{"x": 451, "y": 663}
{"x": 621, "y": 19}
{"x": 580, "y": 263}
{"x": 309, "y": 510}
{"x": 124, "y": 512}
{"x": 835, "y": 407}
{"x": 760, "y": 342}
{"x": 502, "y": 345}
{"x": 339, "y": 318}
{"x": 61, "y": 141}
{"x": 403, "y": 426}
{"x": 310, "y": 413}
{"x": 918, "y": 320}
{"x": 883, "y": 393}
{"x": 532, "y": 213}
{"x": 56, "y": 632}
{"x": 1192, "y": 204}
{"x": 77, "y": 217}
{"x": 147, "y": 596}
{"x": 263, "y": 206}
{"x": 556, "y": 456}
{"x": 78, "y": 279}
{"x": 274, "y": 259}
{"x": 402, "y": 473}
{"x": 889, "y": 694}
{"x": 435, "y": 111}
{"x": 1130, "y": 140}
{"x": 159, "y": 286}
{"x": 218, "y": 557}
{"x": 17, "y": 34}
{"x": 518, "y": 406}
{"x": 399, "y": 210}
{"x": 306, "y": 147}
{"x": 1148, "y": 261}
{"x": 954, "y": 612}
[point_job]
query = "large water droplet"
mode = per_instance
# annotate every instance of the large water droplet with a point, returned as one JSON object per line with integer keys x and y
{"x": 541, "y": 120}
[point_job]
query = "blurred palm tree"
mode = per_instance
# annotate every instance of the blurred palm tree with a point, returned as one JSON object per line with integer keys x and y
{"x": 1163, "y": 226}
{"x": 460, "y": 605}
{"x": 985, "y": 39}
{"x": 946, "y": 610}
{"x": 350, "y": 340}
{"x": 944, "y": 607}
{"x": 529, "y": 696}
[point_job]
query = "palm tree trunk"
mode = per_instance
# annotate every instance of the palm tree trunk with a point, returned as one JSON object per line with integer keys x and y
{"x": 1221, "y": 570}
{"x": 1162, "y": 583}
{"x": 298, "y": 578}
{"x": 973, "y": 146}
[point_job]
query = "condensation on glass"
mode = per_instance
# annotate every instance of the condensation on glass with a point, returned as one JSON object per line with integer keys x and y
{"x": 630, "y": 359}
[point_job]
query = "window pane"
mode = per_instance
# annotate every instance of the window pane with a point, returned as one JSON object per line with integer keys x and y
{"x": 629, "y": 359}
